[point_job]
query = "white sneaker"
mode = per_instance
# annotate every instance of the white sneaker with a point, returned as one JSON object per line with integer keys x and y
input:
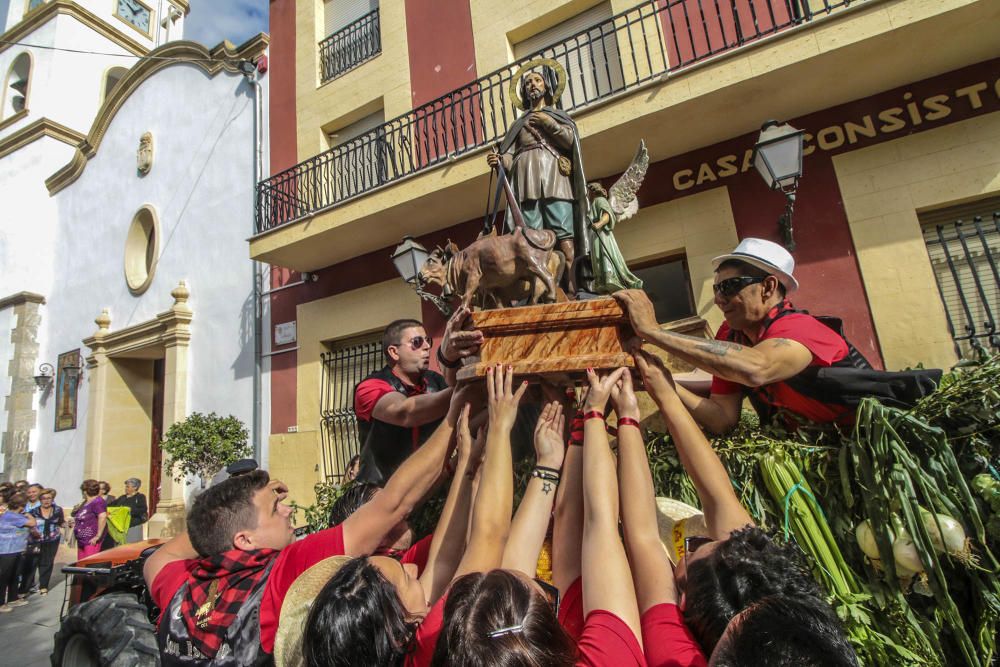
{"x": 20, "y": 602}
{"x": 5, "y": 609}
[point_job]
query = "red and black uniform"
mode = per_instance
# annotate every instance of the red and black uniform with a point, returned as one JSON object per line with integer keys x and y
{"x": 794, "y": 395}
{"x": 385, "y": 446}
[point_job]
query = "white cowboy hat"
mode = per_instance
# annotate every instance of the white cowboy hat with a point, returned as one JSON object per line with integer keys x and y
{"x": 766, "y": 256}
{"x": 675, "y": 521}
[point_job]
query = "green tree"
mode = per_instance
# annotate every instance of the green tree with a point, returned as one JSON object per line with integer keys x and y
{"x": 203, "y": 444}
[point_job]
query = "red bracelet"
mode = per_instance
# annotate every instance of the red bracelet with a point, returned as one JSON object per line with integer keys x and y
{"x": 628, "y": 421}
{"x": 593, "y": 414}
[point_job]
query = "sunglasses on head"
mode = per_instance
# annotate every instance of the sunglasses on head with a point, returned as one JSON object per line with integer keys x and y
{"x": 692, "y": 544}
{"x": 730, "y": 287}
{"x": 417, "y": 342}
{"x": 551, "y": 594}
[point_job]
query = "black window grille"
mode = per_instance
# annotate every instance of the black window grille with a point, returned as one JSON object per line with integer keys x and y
{"x": 965, "y": 255}
{"x": 350, "y": 46}
{"x": 343, "y": 368}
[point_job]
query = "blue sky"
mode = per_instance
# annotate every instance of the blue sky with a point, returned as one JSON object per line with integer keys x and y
{"x": 212, "y": 21}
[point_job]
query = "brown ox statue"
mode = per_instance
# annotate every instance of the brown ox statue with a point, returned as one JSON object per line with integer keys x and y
{"x": 497, "y": 271}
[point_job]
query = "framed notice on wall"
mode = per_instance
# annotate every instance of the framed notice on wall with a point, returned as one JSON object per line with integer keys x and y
{"x": 67, "y": 383}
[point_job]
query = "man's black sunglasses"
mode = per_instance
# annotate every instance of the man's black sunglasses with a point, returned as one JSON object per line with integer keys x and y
{"x": 551, "y": 594}
{"x": 417, "y": 342}
{"x": 730, "y": 287}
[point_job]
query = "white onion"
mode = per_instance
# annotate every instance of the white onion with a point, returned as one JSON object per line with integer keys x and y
{"x": 866, "y": 539}
{"x": 905, "y": 553}
{"x": 951, "y": 536}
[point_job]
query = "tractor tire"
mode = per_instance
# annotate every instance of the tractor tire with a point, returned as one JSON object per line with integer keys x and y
{"x": 109, "y": 631}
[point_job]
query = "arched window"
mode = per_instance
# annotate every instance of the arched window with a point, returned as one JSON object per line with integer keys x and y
{"x": 111, "y": 79}
{"x": 15, "y": 89}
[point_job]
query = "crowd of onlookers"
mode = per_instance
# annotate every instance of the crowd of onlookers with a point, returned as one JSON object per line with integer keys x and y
{"x": 32, "y": 526}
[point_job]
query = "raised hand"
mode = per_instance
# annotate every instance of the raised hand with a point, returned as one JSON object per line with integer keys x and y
{"x": 600, "y": 389}
{"x": 623, "y": 397}
{"x": 640, "y": 311}
{"x": 655, "y": 376}
{"x": 460, "y": 340}
{"x": 503, "y": 400}
{"x": 550, "y": 445}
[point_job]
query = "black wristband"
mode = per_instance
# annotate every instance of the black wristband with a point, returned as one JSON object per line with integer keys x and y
{"x": 448, "y": 364}
{"x": 555, "y": 471}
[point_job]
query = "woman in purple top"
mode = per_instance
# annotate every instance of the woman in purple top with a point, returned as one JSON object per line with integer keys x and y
{"x": 90, "y": 520}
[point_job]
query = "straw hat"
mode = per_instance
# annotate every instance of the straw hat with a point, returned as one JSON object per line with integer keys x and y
{"x": 677, "y": 520}
{"x": 295, "y": 610}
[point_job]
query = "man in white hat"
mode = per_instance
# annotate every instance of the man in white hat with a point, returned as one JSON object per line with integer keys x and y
{"x": 762, "y": 347}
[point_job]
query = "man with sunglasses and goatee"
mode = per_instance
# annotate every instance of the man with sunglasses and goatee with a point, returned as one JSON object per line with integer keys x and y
{"x": 765, "y": 350}
{"x": 399, "y": 406}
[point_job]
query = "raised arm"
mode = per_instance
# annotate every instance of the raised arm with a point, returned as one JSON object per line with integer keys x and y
{"x": 652, "y": 573}
{"x": 717, "y": 412}
{"x": 607, "y": 580}
{"x": 448, "y": 543}
{"x": 411, "y": 411}
{"x": 365, "y": 529}
{"x": 495, "y": 493}
{"x": 723, "y": 511}
{"x": 531, "y": 522}
{"x": 769, "y": 361}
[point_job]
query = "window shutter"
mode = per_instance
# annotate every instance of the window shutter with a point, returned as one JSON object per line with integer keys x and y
{"x": 591, "y": 59}
{"x": 341, "y": 13}
{"x": 357, "y": 128}
{"x": 971, "y": 305}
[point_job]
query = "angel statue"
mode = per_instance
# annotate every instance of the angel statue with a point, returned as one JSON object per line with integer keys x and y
{"x": 610, "y": 272}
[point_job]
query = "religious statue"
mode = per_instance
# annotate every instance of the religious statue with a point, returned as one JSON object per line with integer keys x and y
{"x": 144, "y": 156}
{"x": 610, "y": 271}
{"x": 541, "y": 151}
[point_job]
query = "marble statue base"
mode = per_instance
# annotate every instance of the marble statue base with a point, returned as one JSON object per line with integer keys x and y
{"x": 557, "y": 341}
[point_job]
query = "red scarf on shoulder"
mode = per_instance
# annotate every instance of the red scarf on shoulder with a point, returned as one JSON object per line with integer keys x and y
{"x": 217, "y": 588}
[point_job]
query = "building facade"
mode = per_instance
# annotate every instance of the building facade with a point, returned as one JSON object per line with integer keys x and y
{"x": 144, "y": 306}
{"x": 59, "y": 60}
{"x": 395, "y": 104}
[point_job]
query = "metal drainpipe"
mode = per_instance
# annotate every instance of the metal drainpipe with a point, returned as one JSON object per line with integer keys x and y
{"x": 256, "y": 271}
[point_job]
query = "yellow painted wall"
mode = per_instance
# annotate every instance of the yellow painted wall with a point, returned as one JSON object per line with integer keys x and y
{"x": 127, "y": 424}
{"x": 884, "y": 188}
{"x": 383, "y": 81}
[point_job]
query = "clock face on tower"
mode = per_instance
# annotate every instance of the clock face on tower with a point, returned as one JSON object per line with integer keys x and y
{"x": 135, "y": 14}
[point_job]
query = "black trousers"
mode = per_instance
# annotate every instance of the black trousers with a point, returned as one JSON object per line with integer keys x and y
{"x": 26, "y": 571}
{"x": 43, "y": 562}
{"x": 9, "y": 564}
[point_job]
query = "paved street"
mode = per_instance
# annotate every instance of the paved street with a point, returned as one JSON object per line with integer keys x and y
{"x": 26, "y": 633}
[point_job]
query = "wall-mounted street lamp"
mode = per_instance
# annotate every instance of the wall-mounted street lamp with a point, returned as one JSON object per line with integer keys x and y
{"x": 409, "y": 258}
{"x": 44, "y": 378}
{"x": 777, "y": 156}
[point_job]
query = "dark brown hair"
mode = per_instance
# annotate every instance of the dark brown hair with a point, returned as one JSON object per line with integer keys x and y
{"x": 481, "y": 603}
{"x": 17, "y": 502}
{"x": 392, "y": 333}
{"x": 224, "y": 510}
{"x": 105, "y": 487}
{"x": 91, "y": 487}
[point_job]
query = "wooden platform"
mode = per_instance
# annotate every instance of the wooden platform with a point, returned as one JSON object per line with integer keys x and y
{"x": 558, "y": 341}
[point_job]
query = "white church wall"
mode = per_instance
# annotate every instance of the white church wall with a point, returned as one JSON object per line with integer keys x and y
{"x": 201, "y": 187}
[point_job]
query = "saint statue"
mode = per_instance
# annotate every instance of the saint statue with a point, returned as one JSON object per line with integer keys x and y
{"x": 541, "y": 152}
{"x": 611, "y": 274}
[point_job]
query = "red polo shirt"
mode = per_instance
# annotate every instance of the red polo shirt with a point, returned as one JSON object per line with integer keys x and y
{"x": 826, "y": 346}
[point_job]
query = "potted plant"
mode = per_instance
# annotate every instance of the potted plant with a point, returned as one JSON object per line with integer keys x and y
{"x": 204, "y": 444}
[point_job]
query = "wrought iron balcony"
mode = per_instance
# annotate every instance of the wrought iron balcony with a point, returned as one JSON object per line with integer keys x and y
{"x": 620, "y": 54}
{"x": 350, "y": 46}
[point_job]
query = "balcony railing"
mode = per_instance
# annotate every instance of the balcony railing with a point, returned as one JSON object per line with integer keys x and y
{"x": 616, "y": 55}
{"x": 350, "y": 46}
